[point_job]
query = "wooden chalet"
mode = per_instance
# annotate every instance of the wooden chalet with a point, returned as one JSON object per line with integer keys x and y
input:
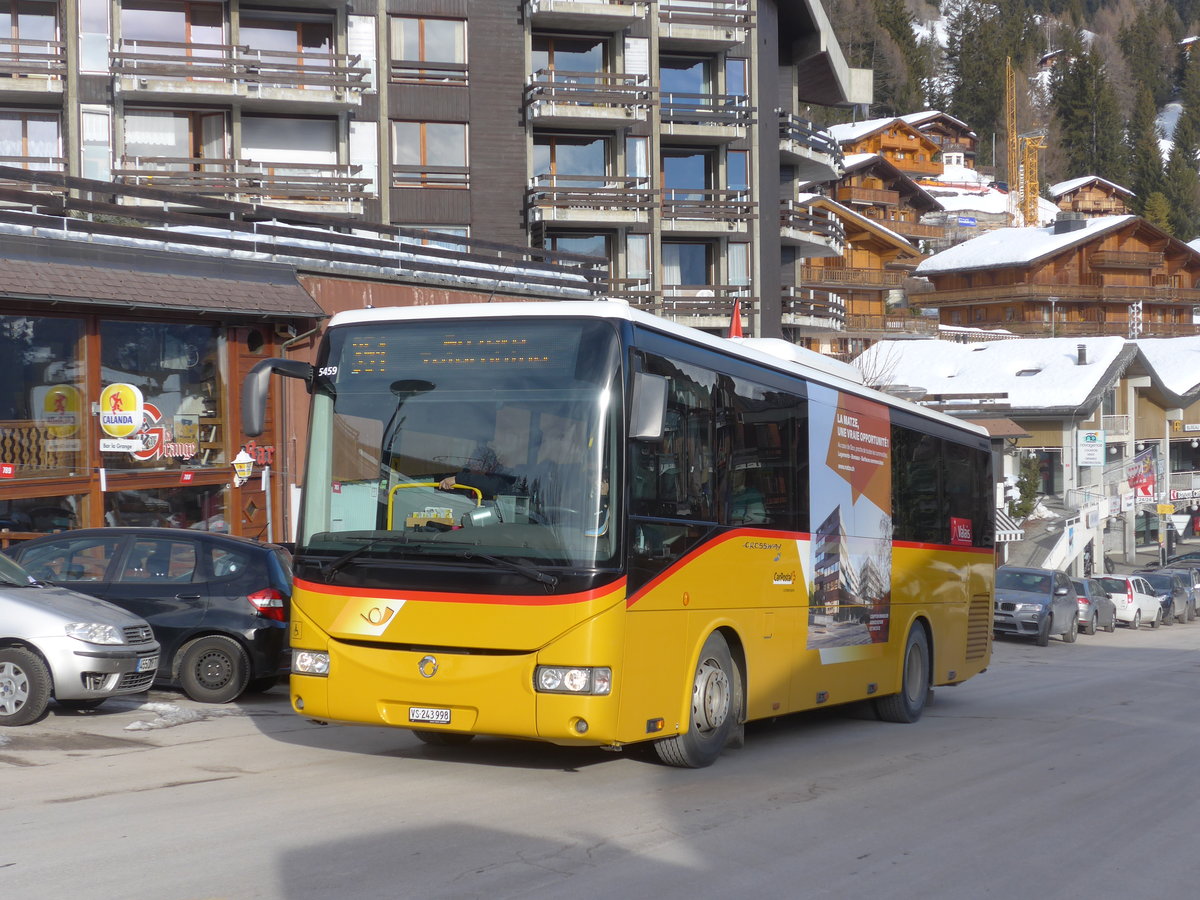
{"x": 954, "y": 137}
{"x": 913, "y": 153}
{"x": 1091, "y": 196}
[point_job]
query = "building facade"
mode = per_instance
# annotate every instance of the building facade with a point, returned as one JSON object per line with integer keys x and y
{"x": 655, "y": 135}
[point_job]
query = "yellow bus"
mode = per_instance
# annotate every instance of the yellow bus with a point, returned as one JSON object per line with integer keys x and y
{"x": 578, "y": 523}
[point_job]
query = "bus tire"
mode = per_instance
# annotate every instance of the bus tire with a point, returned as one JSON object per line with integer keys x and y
{"x": 908, "y": 705}
{"x": 443, "y": 738}
{"x": 716, "y": 688}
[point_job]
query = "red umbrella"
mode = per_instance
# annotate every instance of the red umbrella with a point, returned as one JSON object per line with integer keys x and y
{"x": 735, "y": 324}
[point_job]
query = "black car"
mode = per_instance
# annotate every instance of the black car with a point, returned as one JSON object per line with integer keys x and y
{"x": 1173, "y": 593}
{"x": 218, "y": 604}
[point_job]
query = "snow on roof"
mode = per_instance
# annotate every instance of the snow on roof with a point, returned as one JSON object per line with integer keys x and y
{"x": 852, "y": 131}
{"x": 870, "y": 224}
{"x": 1065, "y": 187}
{"x": 1176, "y": 361}
{"x": 853, "y": 160}
{"x": 1014, "y": 246}
{"x": 919, "y": 118}
{"x": 1051, "y": 379}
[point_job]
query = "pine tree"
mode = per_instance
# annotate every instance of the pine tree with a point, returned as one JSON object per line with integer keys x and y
{"x": 1145, "y": 155}
{"x": 1149, "y": 49}
{"x": 1157, "y": 211}
{"x": 1090, "y": 128}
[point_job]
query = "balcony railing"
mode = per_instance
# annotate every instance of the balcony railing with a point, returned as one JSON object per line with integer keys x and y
{"x": 558, "y": 196}
{"x": 246, "y": 178}
{"x": 851, "y": 194}
{"x": 706, "y": 301}
{"x": 590, "y": 92}
{"x": 417, "y": 176}
{"x": 724, "y": 205}
{"x": 796, "y": 217}
{"x": 1126, "y": 259}
{"x": 419, "y": 71}
{"x": 25, "y": 56}
{"x": 724, "y": 14}
{"x": 726, "y": 110}
{"x": 848, "y": 276}
{"x": 33, "y": 164}
{"x": 897, "y": 324}
{"x": 797, "y": 132}
{"x": 1090, "y": 329}
{"x": 1115, "y": 426}
{"x": 1079, "y": 293}
{"x": 586, "y": 13}
{"x": 914, "y": 230}
{"x": 238, "y": 63}
{"x": 816, "y": 305}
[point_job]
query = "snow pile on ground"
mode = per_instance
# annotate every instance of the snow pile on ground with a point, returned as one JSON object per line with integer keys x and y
{"x": 168, "y": 715}
{"x": 1041, "y": 512}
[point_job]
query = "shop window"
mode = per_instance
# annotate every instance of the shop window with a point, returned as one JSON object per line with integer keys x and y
{"x": 174, "y": 372}
{"x": 200, "y": 508}
{"x": 42, "y": 402}
{"x": 43, "y": 514}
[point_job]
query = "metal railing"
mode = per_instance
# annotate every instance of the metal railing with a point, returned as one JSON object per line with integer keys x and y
{"x": 713, "y": 110}
{"x": 707, "y": 13}
{"x": 25, "y": 56}
{"x": 240, "y": 177}
{"x": 590, "y": 89}
{"x": 239, "y": 63}
{"x": 431, "y": 176}
{"x": 797, "y": 217}
{"x": 893, "y": 324}
{"x": 803, "y": 132}
{"x": 720, "y": 205}
{"x": 589, "y": 192}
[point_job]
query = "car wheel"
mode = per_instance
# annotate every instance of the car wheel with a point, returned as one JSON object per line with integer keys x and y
{"x": 81, "y": 705}
{"x": 215, "y": 669}
{"x": 1191, "y": 611}
{"x": 1158, "y": 618}
{"x": 1137, "y": 620}
{"x": 1072, "y": 631}
{"x": 1043, "y": 636}
{"x": 24, "y": 686}
{"x": 1181, "y": 615}
{"x": 1112, "y": 623}
{"x": 1090, "y": 627}
{"x": 716, "y": 705}
{"x": 443, "y": 738}
{"x": 908, "y": 705}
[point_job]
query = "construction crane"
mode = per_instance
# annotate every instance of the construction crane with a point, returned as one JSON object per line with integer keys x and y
{"x": 1022, "y": 156}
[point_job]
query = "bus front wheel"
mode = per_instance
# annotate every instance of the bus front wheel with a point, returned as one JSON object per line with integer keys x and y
{"x": 908, "y": 705}
{"x": 716, "y": 705}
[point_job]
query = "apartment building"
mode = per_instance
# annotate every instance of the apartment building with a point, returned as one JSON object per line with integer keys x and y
{"x": 661, "y": 135}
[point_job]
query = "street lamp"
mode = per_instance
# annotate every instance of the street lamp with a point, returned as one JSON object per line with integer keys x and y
{"x": 243, "y": 466}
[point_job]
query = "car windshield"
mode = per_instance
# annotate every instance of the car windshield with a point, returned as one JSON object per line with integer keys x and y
{"x": 1033, "y": 582}
{"x": 1162, "y": 583}
{"x": 13, "y": 574}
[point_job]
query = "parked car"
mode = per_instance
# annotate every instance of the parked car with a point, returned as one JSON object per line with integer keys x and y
{"x": 218, "y": 604}
{"x": 1135, "y": 599}
{"x": 1173, "y": 593}
{"x": 58, "y": 644}
{"x": 1035, "y": 603}
{"x": 1191, "y": 558}
{"x": 1191, "y": 578}
{"x": 1096, "y": 608}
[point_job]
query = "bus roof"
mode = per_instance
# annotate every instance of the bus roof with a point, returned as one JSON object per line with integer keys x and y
{"x": 773, "y": 353}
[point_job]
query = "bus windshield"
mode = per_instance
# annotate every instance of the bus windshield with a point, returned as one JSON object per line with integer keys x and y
{"x": 484, "y": 442}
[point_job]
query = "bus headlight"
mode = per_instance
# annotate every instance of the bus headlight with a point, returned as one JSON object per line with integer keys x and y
{"x": 310, "y": 662}
{"x": 573, "y": 679}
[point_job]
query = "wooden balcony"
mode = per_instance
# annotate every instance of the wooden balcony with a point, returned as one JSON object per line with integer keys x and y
{"x": 246, "y": 180}
{"x": 557, "y": 98}
{"x": 850, "y": 194}
{"x": 1071, "y": 293}
{"x": 914, "y": 230}
{"x": 852, "y": 277}
{"x": 814, "y": 154}
{"x": 705, "y": 118}
{"x": 1091, "y": 329}
{"x": 589, "y": 200}
{"x": 704, "y": 24}
{"x": 585, "y": 15}
{"x": 885, "y": 325}
{"x": 706, "y": 211}
{"x": 1126, "y": 259}
{"x": 154, "y": 69}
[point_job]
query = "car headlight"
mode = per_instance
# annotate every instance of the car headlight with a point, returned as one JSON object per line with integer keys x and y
{"x": 573, "y": 679}
{"x": 95, "y": 633}
{"x": 310, "y": 662}
{"x": 1029, "y": 607}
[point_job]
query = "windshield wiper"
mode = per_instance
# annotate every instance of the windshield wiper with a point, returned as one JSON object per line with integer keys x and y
{"x": 330, "y": 569}
{"x": 528, "y": 571}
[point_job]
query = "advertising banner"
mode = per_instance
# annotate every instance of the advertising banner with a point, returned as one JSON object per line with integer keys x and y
{"x": 1089, "y": 449}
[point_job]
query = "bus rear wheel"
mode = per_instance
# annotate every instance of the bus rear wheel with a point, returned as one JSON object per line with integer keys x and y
{"x": 716, "y": 705}
{"x": 908, "y": 705}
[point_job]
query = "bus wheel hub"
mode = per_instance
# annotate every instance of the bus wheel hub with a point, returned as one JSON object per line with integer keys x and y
{"x": 710, "y": 697}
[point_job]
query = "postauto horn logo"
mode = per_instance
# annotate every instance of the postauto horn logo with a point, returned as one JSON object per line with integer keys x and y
{"x": 120, "y": 410}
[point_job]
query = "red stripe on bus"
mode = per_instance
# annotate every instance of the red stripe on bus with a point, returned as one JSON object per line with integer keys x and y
{"x": 741, "y": 533}
{"x": 612, "y": 587}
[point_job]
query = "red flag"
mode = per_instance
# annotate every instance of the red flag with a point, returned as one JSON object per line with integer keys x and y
{"x": 735, "y": 324}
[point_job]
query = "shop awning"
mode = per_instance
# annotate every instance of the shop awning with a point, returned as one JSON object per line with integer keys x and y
{"x": 1007, "y": 529}
{"x": 34, "y": 270}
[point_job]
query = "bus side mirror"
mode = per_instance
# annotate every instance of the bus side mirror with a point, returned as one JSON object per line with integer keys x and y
{"x": 254, "y": 389}
{"x": 648, "y": 410}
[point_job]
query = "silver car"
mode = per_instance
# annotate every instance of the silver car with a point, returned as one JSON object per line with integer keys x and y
{"x": 57, "y": 643}
{"x": 1035, "y": 603}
